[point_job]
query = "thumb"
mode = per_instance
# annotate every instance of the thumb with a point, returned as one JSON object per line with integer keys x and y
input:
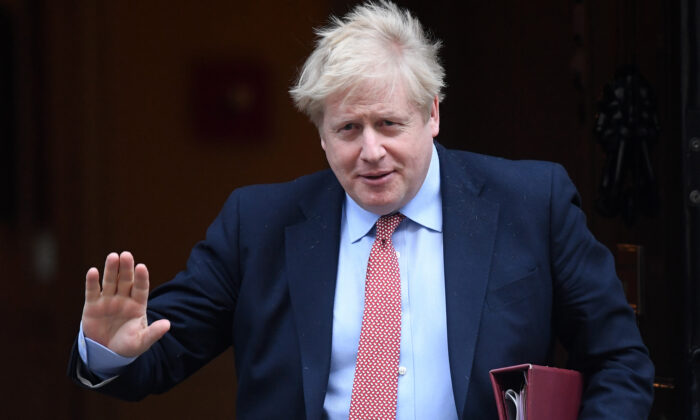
{"x": 155, "y": 331}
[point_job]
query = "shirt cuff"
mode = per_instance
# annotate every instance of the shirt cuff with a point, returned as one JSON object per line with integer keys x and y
{"x": 98, "y": 359}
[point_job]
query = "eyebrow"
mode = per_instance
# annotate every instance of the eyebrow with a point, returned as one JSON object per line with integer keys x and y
{"x": 381, "y": 115}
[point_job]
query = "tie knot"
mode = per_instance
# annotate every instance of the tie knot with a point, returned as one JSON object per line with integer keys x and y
{"x": 386, "y": 225}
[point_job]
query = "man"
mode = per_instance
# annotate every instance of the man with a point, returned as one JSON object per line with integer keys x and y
{"x": 475, "y": 263}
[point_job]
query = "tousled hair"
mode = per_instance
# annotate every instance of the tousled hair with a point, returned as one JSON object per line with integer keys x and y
{"x": 375, "y": 43}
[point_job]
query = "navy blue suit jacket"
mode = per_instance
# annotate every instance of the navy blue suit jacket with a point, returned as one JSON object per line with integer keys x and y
{"x": 521, "y": 268}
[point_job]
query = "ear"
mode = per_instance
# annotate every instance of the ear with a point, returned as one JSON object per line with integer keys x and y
{"x": 434, "y": 120}
{"x": 319, "y": 127}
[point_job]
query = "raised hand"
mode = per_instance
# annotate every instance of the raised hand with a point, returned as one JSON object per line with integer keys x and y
{"x": 115, "y": 315}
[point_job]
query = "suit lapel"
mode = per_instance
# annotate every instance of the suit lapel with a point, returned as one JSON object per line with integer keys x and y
{"x": 469, "y": 228}
{"x": 312, "y": 260}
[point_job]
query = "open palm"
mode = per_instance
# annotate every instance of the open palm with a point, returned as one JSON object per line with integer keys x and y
{"x": 114, "y": 315}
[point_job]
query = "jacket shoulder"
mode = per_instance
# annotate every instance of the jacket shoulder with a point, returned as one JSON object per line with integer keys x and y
{"x": 500, "y": 175}
{"x": 282, "y": 202}
{"x": 276, "y": 194}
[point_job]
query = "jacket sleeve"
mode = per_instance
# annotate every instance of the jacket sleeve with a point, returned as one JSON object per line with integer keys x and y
{"x": 591, "y": 315}
{"x": 199, "y": 302}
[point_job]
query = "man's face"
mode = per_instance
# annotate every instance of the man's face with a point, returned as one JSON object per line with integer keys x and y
{"x": 378, "y": 145}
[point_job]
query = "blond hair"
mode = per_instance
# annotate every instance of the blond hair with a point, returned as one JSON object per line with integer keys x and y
{"x": 377, "y": 43}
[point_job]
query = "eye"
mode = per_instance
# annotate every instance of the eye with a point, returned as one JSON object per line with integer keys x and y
{"x": 347, "y": 127}
{"x": 389, "y": 123}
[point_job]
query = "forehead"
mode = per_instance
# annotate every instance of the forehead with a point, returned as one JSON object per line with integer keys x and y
{"x": 368, "y": 99}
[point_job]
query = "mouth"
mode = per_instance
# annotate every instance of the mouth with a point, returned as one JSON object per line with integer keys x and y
{"x": 378, "y": 176}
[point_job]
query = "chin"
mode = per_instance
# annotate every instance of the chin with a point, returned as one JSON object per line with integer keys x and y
{"x": 379, "y": 203}
{"x": 382, "y": 208}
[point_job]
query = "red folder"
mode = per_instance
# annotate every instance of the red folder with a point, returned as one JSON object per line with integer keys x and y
{"x": 550, "y": 393}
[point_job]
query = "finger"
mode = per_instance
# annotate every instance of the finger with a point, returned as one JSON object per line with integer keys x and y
{"x": 92, "y": 285}
{"x": 139, "y": 291}
{"x": 126, "y": 274}
{"x": 109, "y": 277}
{"x": 155, "y": 331}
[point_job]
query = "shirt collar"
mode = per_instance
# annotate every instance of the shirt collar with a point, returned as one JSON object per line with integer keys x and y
{"x": 425, "y": 208}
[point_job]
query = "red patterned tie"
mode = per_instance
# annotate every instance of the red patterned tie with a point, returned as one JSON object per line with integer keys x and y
{"x": 376, "y": 372}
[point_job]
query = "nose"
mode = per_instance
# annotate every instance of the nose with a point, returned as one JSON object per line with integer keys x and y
{"x": 372, "y": 146}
